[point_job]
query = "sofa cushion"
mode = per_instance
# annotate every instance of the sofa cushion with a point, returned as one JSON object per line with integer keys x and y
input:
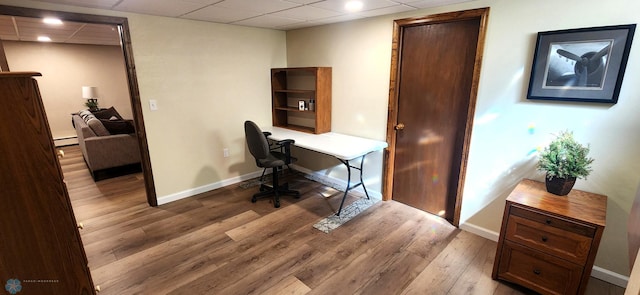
{"x": 118, "y": 126}
{"x": 107, "y": 114}
{"x": 97, "y": 127}
{"x": 94, "y": 123}
{"x": 84, "y": 113}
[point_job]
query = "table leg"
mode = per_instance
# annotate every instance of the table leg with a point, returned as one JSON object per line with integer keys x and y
{"x": 349, "y": 187}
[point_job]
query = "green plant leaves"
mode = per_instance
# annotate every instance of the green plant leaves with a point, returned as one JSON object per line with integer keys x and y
{"x": 565, "y": 157}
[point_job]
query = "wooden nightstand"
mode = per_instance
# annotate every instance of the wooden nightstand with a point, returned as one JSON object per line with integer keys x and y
{"x": 548, "y": 243}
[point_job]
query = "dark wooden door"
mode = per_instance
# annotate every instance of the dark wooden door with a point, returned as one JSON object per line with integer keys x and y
{"x": 40, "y": 247}
{"x": 436, "y": 71}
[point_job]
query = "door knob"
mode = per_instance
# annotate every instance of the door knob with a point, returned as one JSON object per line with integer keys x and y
{"x": 400, "y": 126}
{"x": 80, "y": 225}
{"x": 60, "y": 154}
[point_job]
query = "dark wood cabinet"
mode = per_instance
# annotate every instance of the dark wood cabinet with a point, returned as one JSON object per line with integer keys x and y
{"x": 40, "y": 245}
{"x": 312, "y": 86}
{"x": 547, "y": 242}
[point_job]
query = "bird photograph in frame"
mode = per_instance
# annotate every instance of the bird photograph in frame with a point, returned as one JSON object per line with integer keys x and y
{"x": 580, "y": 64}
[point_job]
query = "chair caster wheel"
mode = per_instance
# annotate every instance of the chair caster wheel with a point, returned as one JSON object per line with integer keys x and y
{"x": 276, "y": 204}
{"x": 253, "y": 200}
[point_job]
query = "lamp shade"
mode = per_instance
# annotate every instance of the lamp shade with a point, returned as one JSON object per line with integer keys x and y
{"x": 89, "y": 92}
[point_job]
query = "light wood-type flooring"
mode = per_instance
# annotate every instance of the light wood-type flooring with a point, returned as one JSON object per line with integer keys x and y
{"x": 220, "y": 243}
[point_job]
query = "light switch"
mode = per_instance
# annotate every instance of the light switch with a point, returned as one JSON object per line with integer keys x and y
{"x": 153, "y": 104}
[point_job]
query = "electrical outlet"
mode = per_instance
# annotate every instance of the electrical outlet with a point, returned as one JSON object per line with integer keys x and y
{"x": 153, "y": 104}
{"x": 225, "y": 152}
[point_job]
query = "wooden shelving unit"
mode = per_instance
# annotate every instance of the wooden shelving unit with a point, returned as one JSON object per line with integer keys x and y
{"x": 290, "y": 85}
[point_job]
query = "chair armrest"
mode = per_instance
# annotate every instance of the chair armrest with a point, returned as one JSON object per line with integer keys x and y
{"x": 266, "y": 133}
{"x": 285, "y": 142}
{"x": 285, "y": 145}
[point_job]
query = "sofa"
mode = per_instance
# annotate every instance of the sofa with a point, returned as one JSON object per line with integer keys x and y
{"x": 108, "y": 143}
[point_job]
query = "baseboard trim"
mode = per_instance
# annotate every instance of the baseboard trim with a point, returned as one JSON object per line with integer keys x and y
{"x": 480, "y": 231}
{"x": 208, "y": 187}
{"x": 596, "y": 272}
{"x": 609, "y": 276}
{"x": 336, "y": 183}
{"x": 326, "y": 180}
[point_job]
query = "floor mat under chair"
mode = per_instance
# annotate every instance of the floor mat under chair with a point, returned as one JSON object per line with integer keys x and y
{"x": 333, "y": 221}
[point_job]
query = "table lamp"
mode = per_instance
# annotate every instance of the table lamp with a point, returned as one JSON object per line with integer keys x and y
{"x": 90, "y": 93}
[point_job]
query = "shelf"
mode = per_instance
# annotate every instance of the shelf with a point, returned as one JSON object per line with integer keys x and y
{"x": 293, "y": 109}
{"x": 298, "y": 128}
{"x": 289, "y": 86}
{"x": 300, "y": 91}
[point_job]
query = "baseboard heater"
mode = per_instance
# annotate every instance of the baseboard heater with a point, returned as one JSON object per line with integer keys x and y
{"x": 64, "y": 141}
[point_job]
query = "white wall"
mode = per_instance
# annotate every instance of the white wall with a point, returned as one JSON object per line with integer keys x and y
{"x": 501, "y": 144}
{"x": 65, "y": 68}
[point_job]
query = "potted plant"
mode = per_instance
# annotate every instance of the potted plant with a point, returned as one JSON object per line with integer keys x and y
{"x": 92, "y": 104}
{"x": 564, "y": 160}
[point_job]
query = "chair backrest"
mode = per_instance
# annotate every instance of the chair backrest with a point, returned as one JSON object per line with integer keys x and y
{"x": 256, "y": 141}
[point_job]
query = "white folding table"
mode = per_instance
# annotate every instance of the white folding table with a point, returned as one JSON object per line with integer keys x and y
{"x": 343, "y": 147}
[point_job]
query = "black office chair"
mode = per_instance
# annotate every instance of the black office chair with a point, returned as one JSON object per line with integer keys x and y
{"x": 265, "y": 158}
{"x": 280, "y": 151}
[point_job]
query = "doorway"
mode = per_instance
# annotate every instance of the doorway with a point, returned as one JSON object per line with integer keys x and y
{"x": 435, "y": 72}
{"x": 134, "y": 93}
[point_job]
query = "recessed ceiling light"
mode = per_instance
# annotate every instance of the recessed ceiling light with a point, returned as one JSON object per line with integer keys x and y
{"x": 44, "y": 39}
{"x": 353, "y": 6}
{"x": 52, "y": 21}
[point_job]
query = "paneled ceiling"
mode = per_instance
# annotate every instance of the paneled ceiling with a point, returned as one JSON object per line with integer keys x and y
{"x": 13, "y": 28}
{"x": 272, "y": 14}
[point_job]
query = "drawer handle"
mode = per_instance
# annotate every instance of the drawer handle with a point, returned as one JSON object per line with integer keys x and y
{"x": 544, "y": 238}
{"x": 548, "y": 221}
{"x": 536, "y": 271}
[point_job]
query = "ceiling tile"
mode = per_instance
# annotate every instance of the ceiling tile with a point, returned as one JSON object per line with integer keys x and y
{"x": 386, "y": 10}
{"x": 69, "y": 32}
{"x": 96, "y": 34}
{"x": 104, "y": 4}
{"x": 220, "y": 14}
{"x": 307, "y": 13}
{"x": 338, "y": 5}
{"x": 432, "y": 3}
{"x": 170, "y": 8}
{"x": 30, "y": 28}
{"x": 7, "y": 29}
{"x": 336, "y": 19}
{"x": 262, "y": 6}
{"x": 268, "y": 21}
{"x": 304, "y": 1}
{"x": 276, "y": 14}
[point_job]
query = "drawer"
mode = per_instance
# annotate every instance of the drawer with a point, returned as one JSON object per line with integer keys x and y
{"x": 548, "y": 239}
{"x": 540, "y": 217}
{"x": 537, "y": 271}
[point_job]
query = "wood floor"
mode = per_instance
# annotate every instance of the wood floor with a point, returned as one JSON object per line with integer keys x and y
{"x": 221, "y": 243}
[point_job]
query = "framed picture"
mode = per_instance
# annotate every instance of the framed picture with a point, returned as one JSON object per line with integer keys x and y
{"x": 580, "y": 64}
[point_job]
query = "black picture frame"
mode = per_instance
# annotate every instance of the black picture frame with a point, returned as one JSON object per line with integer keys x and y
{"x": 561, "y": 56}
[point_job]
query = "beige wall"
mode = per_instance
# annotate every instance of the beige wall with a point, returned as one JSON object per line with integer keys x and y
{"x": 65, "y": 69}
{"x": 208, "y": 79}
{"x": 501, "y": 145}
